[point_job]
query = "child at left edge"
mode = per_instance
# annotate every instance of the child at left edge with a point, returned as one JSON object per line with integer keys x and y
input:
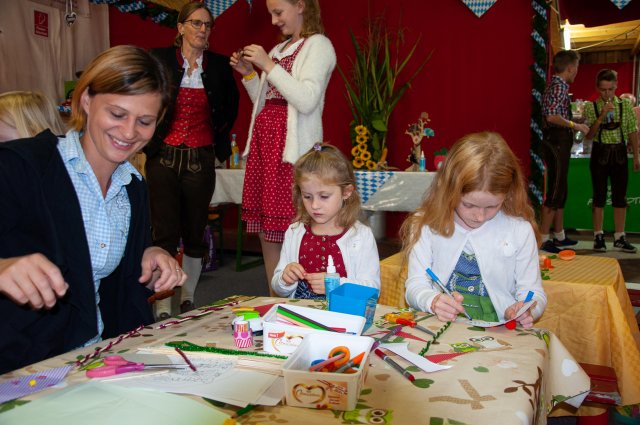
{"x": 328, "y": 207}
{"x": 476, "y": 230}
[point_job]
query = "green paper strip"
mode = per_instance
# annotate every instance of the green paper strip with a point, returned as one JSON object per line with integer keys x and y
{"x": 297, "y": 317}
{"x": 188, "y": 346}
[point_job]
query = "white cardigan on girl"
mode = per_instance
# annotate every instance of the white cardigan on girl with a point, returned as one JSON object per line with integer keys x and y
{"x": 304, "y": 89}
{"x": 507, "y": 255}
{"x": 359, "y": 253}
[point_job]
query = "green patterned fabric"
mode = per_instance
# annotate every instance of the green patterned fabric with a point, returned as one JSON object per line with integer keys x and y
{"x": 629, "y": 122}
{"x": 479, "y": 307}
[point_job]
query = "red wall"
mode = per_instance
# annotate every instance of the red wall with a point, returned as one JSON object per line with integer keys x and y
{"x": 475, "y": 80}
{"x": 584, "y": 87}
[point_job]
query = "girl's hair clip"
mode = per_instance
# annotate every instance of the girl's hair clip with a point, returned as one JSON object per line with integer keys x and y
{"x": 317, "y": 147}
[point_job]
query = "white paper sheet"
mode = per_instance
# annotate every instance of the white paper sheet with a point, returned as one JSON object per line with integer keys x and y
{"x": 402, "y": 349}
{"x": 215, "y": 378}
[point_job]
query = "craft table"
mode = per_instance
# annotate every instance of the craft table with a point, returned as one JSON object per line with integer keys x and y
{"x": 588, "y": 309}
{"x": 379, "y": 190}
{"x": 518, "y": 376}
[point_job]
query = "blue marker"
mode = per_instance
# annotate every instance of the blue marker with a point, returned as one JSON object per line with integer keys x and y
{"x": 437, "y": 281}
{"x": 529, "y": 297}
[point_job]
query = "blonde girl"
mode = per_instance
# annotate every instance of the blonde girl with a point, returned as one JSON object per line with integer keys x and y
{"x": 476, "y": 230}
{"x": 27, "y": 113}
{"x": 328, "y": 207}
{"x": 287, "y": 88}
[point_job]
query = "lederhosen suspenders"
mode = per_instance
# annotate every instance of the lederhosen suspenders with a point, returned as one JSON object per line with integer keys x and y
{"x": 595, "y": 108}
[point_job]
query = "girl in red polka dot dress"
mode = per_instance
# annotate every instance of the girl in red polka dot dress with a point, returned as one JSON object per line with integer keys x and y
{"x": 328, "y": 207}
{"x": 288, "y": 100}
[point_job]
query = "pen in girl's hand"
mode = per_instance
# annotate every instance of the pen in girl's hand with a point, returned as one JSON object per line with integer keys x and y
{"x": 529, "y": 297}
{"x": 437, "y": 281}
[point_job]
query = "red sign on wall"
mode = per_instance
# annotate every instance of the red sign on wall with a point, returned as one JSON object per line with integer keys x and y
{"x": 41, "y": 23}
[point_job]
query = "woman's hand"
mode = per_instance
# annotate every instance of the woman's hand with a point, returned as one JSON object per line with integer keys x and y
{"x": 316, "y": 282}
{"x": 292, "y": 273}
{"x": 525, "y": 319}
{"x": 447, "y": 308}
{"x": 241, "y": 65}
{"x": 33, "y": 280}
{"x": 160, "y": 270}
{"x": 257, "y": 56}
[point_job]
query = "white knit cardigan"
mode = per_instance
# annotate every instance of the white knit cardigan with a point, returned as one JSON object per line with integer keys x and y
{"x": 304, "y": 90}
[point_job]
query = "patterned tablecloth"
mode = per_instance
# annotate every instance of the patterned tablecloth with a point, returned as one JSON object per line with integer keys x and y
{"x": 588, "y": 309}
{"x": 517, "y": 376}
{"x": 379, "y": 190}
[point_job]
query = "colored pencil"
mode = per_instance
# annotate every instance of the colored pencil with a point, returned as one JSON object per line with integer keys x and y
{"x": 351, "y": 363}
{"x": 327, "y": 362}
{"x": 386, "y": 337}
{"x": 186, "y": 359}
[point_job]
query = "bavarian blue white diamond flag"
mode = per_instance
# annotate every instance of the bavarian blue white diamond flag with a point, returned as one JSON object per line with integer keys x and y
{"x": 620, "y": 3}
{"x": 480, "y": 6}
{"x": 218, "y": 6}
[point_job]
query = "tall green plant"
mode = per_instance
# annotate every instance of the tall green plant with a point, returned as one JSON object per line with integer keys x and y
{"x": 374, "y": 87}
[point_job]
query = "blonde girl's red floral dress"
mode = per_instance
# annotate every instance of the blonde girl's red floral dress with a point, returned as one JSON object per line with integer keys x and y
{"x": 267, "y": 204}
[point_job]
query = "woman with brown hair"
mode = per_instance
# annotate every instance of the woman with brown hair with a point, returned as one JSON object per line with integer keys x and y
{"x": 76, "y": 261}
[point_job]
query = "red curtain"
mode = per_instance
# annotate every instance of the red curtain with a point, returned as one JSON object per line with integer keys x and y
{"x": 475, "y": 81}
{"x": 593, "y": 13}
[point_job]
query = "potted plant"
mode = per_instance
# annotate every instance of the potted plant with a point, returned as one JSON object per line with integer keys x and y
{"x": 374, "y": 88}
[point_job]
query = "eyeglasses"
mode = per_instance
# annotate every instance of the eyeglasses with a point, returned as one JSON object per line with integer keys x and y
{"x": 197, "y": 23}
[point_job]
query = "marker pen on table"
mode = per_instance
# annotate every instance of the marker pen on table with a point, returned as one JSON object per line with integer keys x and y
{"x": 386, "y": 337}
{"x": 388, "y": 360}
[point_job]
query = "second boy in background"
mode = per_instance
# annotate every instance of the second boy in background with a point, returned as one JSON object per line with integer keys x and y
{"x": 328, "y": 207}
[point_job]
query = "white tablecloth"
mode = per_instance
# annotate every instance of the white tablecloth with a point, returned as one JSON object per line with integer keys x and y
{"x": 379, "y": 190}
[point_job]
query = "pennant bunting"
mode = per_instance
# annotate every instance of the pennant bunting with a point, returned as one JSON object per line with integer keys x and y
{"x": 479, "y": 7}
{"x": 620, "y": 3}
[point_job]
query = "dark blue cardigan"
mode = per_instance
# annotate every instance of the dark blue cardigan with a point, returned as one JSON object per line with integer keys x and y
{"x": 40, "y": 212}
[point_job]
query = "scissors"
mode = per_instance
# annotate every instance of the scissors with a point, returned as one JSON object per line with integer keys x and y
{"x": 115, "y": 365}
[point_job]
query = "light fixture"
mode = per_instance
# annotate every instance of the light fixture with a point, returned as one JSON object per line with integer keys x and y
{"x": 566, "y": 35}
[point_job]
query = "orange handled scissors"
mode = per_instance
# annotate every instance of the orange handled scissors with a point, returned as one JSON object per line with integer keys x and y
{"x": 115, "y": 365}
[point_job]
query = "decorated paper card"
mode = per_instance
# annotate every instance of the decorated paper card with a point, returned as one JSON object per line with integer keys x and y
{"x": 25, "y": 385}
{"x": 484, "y": 324}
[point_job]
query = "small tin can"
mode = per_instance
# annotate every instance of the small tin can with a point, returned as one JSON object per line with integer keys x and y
{"x": 242, "y": 334}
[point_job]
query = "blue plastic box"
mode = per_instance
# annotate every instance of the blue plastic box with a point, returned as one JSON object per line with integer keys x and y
{"x": 355, "y": 299}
